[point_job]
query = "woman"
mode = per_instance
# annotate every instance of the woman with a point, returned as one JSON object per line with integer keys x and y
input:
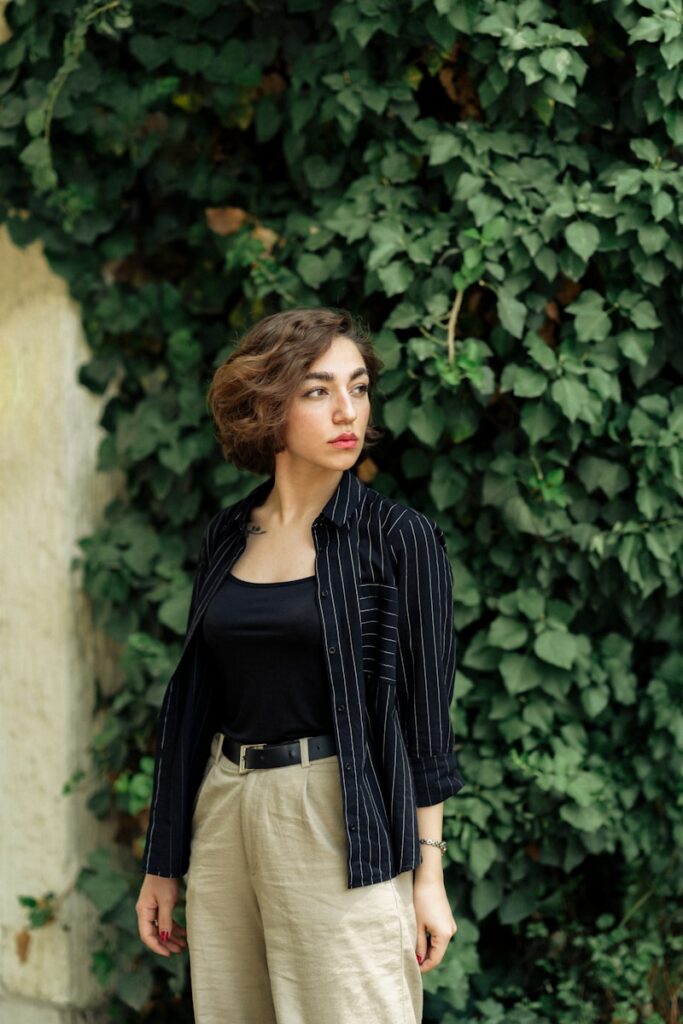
{"x": 304, "y": 744}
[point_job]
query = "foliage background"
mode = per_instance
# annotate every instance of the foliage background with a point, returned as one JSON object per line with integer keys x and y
{"x": 497, "y": 188}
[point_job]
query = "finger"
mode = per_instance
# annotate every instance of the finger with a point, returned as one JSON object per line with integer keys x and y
{"x": 435, "y": 953}
{"x": 421, "y": 945}
{"x": 176, "y": 943}
{"x": 166, "y": 922}
{"x": 150, "y": 936}
{"x": 148, "y": 929}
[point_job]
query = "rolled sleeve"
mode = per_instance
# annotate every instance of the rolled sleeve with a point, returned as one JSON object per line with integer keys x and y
{"x": 426, "y": 657}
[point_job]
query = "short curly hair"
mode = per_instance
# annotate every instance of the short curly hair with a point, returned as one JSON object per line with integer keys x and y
{"x": 252, "y": 389}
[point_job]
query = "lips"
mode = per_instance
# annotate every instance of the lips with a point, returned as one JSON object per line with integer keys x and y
{"x": 343, "y": 437}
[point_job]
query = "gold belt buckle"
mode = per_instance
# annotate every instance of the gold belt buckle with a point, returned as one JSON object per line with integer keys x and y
{"x": 243, "y": 755}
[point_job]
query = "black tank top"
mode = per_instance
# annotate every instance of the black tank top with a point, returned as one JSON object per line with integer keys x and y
{"x": 265, "y": 640}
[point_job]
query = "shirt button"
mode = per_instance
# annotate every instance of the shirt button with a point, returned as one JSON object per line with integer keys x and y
{"x": 353, "y": 828}
{"x": 332, "y": 650}
{"x": 341, "y": 707}
{"x": 323, "y": 593}
{"x": 347, "y": 766}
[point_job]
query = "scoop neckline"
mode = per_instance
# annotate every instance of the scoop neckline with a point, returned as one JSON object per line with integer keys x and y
{"x": 278, "y": 583}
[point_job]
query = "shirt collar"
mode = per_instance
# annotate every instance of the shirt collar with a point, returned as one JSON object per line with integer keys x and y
{"x": 340, "y": 506}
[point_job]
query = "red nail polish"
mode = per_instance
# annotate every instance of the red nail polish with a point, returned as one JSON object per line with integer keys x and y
{"x": 419, "y": 958}
{"x": 163, "y": 936}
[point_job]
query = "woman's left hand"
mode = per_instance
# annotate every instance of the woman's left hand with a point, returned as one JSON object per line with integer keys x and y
{"x": 433, "y": 913}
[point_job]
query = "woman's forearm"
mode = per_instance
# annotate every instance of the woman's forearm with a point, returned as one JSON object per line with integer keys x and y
{"x": 430, "y": 826}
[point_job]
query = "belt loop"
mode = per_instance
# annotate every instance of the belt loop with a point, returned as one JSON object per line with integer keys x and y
{"x": 303, "y": 743}
{"x": 218, "y": 747}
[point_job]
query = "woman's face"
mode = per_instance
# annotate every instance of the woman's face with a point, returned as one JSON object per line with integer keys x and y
{"x": 331, "y": 400}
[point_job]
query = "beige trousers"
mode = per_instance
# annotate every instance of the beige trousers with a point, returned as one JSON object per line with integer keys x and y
{"x": 274, "y": 934}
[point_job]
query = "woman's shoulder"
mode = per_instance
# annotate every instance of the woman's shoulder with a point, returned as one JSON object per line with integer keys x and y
{"x": 400, "y": 520}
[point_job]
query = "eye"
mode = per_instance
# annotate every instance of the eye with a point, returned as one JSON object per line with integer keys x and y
{"x": 364, "y": 389}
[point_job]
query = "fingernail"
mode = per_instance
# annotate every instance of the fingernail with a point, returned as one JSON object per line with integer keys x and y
{"x": 419, "y": 958}
{"x": 163, "y": 936}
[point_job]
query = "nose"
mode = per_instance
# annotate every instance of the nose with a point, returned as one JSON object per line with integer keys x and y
{"x": 346, "y": 409}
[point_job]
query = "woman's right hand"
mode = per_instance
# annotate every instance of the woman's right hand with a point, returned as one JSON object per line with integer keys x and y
{"x": 158, "y": 896}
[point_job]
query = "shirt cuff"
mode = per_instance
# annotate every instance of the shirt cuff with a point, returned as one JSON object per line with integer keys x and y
{"x": 436, "y": 777}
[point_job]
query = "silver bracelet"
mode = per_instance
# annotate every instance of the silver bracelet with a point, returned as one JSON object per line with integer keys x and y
{"x": 441, "y": 843}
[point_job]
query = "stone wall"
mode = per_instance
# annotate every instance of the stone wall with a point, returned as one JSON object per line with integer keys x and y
{"x": 50, "y": 495}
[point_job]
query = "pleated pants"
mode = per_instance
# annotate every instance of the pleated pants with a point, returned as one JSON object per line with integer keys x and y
{"x": 274, "y": 935}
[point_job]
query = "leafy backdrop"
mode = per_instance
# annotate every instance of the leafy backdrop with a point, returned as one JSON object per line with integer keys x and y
{"x": 497, "y": 188}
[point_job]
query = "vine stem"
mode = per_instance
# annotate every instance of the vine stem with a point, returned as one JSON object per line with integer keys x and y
{"x": 77, "y": 38}
{"x": 102, "y": 10}
{"x": 452, "y": 323}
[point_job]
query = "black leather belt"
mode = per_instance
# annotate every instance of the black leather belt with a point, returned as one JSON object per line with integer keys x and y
{"x": 276, "y": 755}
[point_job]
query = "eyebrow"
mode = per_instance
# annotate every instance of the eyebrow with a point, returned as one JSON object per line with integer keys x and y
{"x": 325, "y": 375}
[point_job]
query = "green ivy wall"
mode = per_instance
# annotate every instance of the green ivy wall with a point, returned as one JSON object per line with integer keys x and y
{"x": 497, "y": 187}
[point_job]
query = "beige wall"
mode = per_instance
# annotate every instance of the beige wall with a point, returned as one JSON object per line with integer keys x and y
{"x": 50, "y": 495}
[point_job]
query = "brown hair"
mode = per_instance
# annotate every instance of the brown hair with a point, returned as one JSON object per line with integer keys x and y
{"x": 252, "y": 389}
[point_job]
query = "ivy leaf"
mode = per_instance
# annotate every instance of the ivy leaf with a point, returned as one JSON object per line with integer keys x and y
{"x": 556, "y": 647}
{"x": 507, "y": 633}
{"x": 637, "y": 345}
{"x": 321, "y": 173}
{"x": 610, "y": 477}
{"x": 557, "y": 60}
{"x": 443, "y": 147}
{"x": 592, "y": 323}
{"x": 173, "y": 612}
{"x": 427, "y": 422}
{"x": 397, "y": 412}
{"x": 585, "y": 819}
{"x": 396, "y": 278}
{"x": 512, "y": 312}
{"x": 571, "y": 396}
{"x": 134, "y": 987}
{"x": 520, "y": 673}
{"x": 482, "y": 854}
{"x": 486, "y": 896}
{"x": 312, "y": 269}
{"x": 583, "y": 238}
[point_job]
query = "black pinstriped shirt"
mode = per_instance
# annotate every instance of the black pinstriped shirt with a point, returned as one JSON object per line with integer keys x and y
{"x": 385, "y": 594}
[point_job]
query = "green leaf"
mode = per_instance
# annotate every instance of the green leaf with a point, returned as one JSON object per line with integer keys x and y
{"x": 312, "y": 269}
{"x": 556, "y": 648}
{"x": 520, "y": 673}
{"x": 592, "y": 322}
{"x": 531, "y": 603}
{"x": 444, "y": 147}
{"x": 397, "y": 413}
{"x": 482, "y": 854}
{"x": 610, "y": 477}
{"x": 321, "y": 173}
{"x": 507, "y": 633}
{"x": 594, "y": 700}
{"x": 134, "y": 987}
{"x": 518, "y": 905}
{"x": 537, "y": 420}
{"x": 557, "y": 61}
{"x": 486, "y": 896}
{"x": 636, "y": 345}
{"x": 396, "y": 278}
{"x": 173, "y": 612}
{"x": 529, "y": 383}
{"x": 427, "y": 422}
{"x": 103, "y": 888}
{"x": 583, "y": 238}
{"x": 586, "y": 819}
{"x": 571, "y": 395}
{"x": 511, "y": 312}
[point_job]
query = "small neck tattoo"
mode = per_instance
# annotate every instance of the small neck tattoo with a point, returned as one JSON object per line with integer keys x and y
{"x": 255, "y": 528}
